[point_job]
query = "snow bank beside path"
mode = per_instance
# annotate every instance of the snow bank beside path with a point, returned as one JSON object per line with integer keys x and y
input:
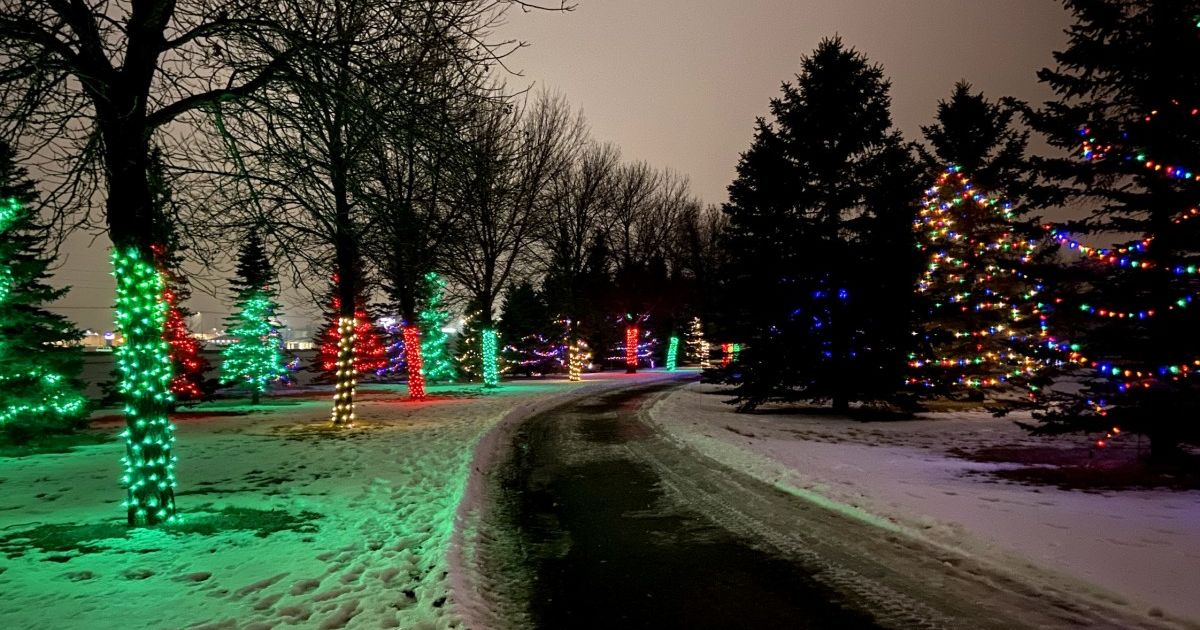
{"x": 374, "y": 510}
{"x": 1140, "y": 547}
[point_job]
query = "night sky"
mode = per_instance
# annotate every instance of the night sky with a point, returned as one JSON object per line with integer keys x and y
{"x": 678, "y": 83}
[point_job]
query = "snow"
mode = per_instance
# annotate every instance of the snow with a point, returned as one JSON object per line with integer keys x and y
{"x": 1138, "y": 548}
{"x": 375, "y": 553}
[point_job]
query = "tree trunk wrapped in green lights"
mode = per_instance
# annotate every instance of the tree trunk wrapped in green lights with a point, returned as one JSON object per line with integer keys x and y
{"x": 491, "y": 370}
{"x": 145, "y": 369}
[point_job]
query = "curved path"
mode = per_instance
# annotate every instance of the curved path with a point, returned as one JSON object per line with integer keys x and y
{"x": 600, "y": 522}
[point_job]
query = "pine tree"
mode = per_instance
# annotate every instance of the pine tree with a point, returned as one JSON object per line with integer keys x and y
{"x": 1126, "y": 107}
{"x": 982, "y": 323}
{"x": 814, "y": 197}
{"x": 531, "y": 346}
{"x": 39, "y": 392}
{"x": 253, "y": 360}
{"x": 980, "y": 138}
{"x": 189, "y": 366}
{"x": 432, "y": 318}
{"x": 370, "y": 353}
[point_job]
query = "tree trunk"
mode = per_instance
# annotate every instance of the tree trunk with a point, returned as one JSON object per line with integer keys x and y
{"x": 415, "y": 361}
{"x": 142, "y": 360}
{"x": 255, "y": 395}
{"x": 631, "y": 348}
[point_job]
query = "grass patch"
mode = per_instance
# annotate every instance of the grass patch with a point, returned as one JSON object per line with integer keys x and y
{"x": 66, "y": 540}
{"x": 53, "y": 443}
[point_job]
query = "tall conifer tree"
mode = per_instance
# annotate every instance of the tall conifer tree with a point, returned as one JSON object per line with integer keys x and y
{"x": 253, "y": 361}
{"x": 1126, "y": 110}
{"x": 814, "y": 209}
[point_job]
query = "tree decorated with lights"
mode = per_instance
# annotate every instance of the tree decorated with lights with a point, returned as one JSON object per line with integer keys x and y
{"x": 38, "y": 391}
{"x": 349, "y": 344}
{"x": 818, "y": 264}
{"x": 435, "y": 342}
{"x": 983, "y": 324}
{"x": 189, "y": 366}
{"x": 672, "y": 362}
{"x": 253, "y": 361}
{"x": 1127, "y": 107}
{"x": 697, "y": 346}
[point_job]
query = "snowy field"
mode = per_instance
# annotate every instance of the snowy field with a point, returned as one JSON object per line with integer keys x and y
{"x": 1134, "y": 547}
{"x": 287, "y": 522}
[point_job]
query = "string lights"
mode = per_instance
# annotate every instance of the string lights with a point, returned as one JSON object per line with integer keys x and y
{"x": 145, "y": 369}
{"x": 254, "y": 359}
{"x": 986, "y": 322}
{"x": 631, "y": 348}
{"x": 346, "y": 375}
{"x": 672, "y": 353}
{"x": 577, "y": 357}
{"x": 491, "y": 370}
{"x": 415, "y": 362}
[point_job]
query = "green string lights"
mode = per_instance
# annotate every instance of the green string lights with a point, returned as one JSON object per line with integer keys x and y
{"x": 434, "y": 340}
{"x": 253, "y": 361}
{"x": 491, "y": 371}
{"x": 145, "y": 370}
{"x": 672, "y": 353}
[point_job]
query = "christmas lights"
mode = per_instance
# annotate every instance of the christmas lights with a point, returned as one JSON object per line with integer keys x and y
{"x": 491, "y": 371}
{"x": 346, "y": 374}
{"x": 672, "y": 351}
{"x": 145, "y": 369}
{"x": 438, "y": 365}
{"x": 412, "y": 355}
{"x": 253, "y": 360}
{"x": 35, "y": 390}
{"x": 985, "y": 322}
{"x": 631, "y": 348}
{"x": 577, "y": 357}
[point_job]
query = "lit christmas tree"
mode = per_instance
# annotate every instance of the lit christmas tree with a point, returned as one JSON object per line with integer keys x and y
{"x": 370, "y": 354}
{"x": 983, "y": 323}
{"x": 697, "y": 346}
{"x": 1127, "y": 105}
{"x": 253, "y": 361}
{"x": 38, "y": 389}
{"x": 439, "y": 366}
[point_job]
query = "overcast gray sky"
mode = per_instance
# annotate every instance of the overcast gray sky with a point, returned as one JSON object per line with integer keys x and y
{"x": 678, "y": 83}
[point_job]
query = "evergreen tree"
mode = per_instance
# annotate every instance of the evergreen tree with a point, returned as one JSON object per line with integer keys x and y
{"x": 982, "y": 321}
{"x": 39, "y": 391}
{"x": 189, "y": 366}
{"x": 981, "y": 138}
{"x": 370, "y": 353}
{"x": 432, "y": 318}
{"x": 469, "y": 360}
{"x": 531, "y": 346}
{"x": 1126, "y": 108}
{"x": 254, "y": 360}
{"x": 697, "y": 346}
{"x": 815, "y": 196}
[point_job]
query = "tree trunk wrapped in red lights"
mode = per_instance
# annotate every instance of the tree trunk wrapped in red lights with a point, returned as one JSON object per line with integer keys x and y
{"x": 416, "y": 363}
{"x": 631, "y": 348}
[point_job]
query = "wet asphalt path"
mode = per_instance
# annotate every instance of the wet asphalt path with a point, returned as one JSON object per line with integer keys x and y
{"x": 601, "y": 522}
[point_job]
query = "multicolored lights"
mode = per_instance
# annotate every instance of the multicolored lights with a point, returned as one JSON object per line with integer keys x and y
{"x": 145, "y": 370}
{"x": 491, "y": 369}
{"x": 416, "y": 364}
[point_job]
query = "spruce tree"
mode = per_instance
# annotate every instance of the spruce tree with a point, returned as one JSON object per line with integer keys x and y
{"x": 698, "y": 350}
{"x": 979, "y": 298}
{"x": 531, "y": 346}
{"x": 981, "y": 324}
{"x": 815, "y": 195}
{"x": 39, "y": 391}
{"x": 1126, "y": 111}
{"x": 253, "y": 361}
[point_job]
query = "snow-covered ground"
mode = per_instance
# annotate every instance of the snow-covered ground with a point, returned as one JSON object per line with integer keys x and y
{"x": 1136, "y": 547}
{"x": 313, "y": 527}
